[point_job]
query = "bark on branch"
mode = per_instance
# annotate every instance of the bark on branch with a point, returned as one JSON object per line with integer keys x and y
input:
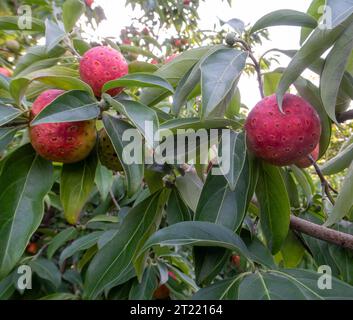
{"x": 341, "y": 239}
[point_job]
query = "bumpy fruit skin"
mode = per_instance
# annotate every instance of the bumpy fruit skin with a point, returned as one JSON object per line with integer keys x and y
{"x": 106, "y": 152}
{"x": 100, "y": 65}
{"x": 65, "y": 142}
{"x": 282, "y": 139}
{"x": 5, "y": 72}
{"x": 161, "y": 293}
{"x": 305, "y": 162}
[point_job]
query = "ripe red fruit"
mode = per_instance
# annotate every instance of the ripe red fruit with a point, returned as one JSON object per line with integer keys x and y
{"x": 32, "y": 248}
{"x": 282, "y": 139}
{"x": 161, "y": 293}
{"x": 65, "y": 142}
{"x": 145, "y": 32}
{"x": 89, "y": 2}
{"x": 305, "y": 162}
{"x": 100, "y": 65}
{"x": 172, "y": 275}
{"x": 171, "y": 58}
{"x": 236, "y": 260}
{"x": 5, "y": 72}
{"x": 154, "y": 61}
{"x": 177, "y": 42}
{"x": 186, "y": 2}
{"x": 127, "y": 41}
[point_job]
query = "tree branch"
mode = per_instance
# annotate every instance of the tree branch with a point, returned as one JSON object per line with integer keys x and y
{"x": 341, "y": 239}
{"x": 345, "y": 116}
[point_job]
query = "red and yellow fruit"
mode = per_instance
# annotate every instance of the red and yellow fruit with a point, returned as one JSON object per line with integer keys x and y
{"x": 282, "y": 138}
{"x": 100, "y": 65}
{"x": 5, "y": 72}
{"x": 32, "y": 248}
{"x": 65, "y": 142}
{"x": 106, "y": 152}
{"x": 161, "y": 293}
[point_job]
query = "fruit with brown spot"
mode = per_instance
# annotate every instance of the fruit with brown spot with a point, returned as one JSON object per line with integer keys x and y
{"x": 65, "y": 142}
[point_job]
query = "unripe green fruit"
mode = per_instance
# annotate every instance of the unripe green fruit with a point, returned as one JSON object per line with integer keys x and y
{"x": 231, "y": 39}
{"x": 12, "y": 45}
{"x": 106, "y": 152}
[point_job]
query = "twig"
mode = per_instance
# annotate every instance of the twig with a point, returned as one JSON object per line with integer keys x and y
{"x": 341, "y": 239}
{"x": 325, "y": 185}
{"x": 114, "y": 200}
{"x": 256, "y": 65}
{"x": 344, "y": 116}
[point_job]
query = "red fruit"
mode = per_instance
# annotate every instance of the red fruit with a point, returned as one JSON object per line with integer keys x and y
{"x": 145, "y": 32}
{"x": 5, "y": 72}
{"x": 186, "y": 2}
{"x": 127, "y": 41}
{"x": 177, "y": 42}
{"x": 171, "y": 58}
{"x": 161, "y": 293}
{"x": 32, "y": 248}
{"x": 305, "y": 162}
{"x": 154, "y": 61}
{"x": 100, "y": 65}
{"x": 89, "y": 2}
{"x": 172, "y": 275}
{"x": 282, "y": 139}
{"x": 65, "y": 142}
{"x": 236, "y": 260}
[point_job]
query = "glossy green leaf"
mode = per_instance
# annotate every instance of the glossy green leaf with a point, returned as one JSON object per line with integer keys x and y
{"x": 46, "y": 269}
{"x": 177, "y": 210}
{"x": 104, "y": 180}
{"x": 59, "y": 240}
{"x": 274, "y": 206}
{"x": 338, "y": 163}
{"x": 77, "y": 182}
{"x": 140, "y": 66}
{"x": 237, "y": 25}
{"x": 7, "y": 287}
{"x": 138, "y": 80}
{"x": 144, "y": 290}
{"x": 12, "y": 23}
{"x": 189, "y": 187}
{"x": 284, "y": 17}
{"x": 54, "y": 34}
{"x": 219, "y": 73}
{"x": 24, "y": 181}
{"x": 134, "y": 172}
{"x": 137, "y": 50}
{"x": 70, "y": 106}
{"x": 271, "y": 81}
{"x": 344, "y": 202}
{"x": 333, "y": 71}
{"x": 173, "y": 72}
{"x": 8, "y": 114}
{"x": 314, "y": 47}
{"x": 6, "y": 136}
{"x": 111, "y": 263}
{"x": 72, "y": 11}
{"x": 292, "y": 251}
{"x": 290, "y": 284}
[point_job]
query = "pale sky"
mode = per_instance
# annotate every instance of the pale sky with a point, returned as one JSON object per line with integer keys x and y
{"x": 249, "y": 11}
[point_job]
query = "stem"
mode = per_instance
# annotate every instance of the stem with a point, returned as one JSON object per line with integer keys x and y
{"x": 345, "y": 116}
{"x": 325, "y": 185}
{"x": 256, "y": 66}
{"x": 114, "y": 200}
{"x": 341, "y": 239}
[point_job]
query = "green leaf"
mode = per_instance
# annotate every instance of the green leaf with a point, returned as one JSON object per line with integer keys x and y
{"x": 219, "y": 73}
{"x": 7, "y": 287}
{"x": 139, "y": 80}
{"x": 77, "y": 182}
{"x": 6, "y": 136}
{"x": 134, "y": 172}
{"x": 344, "y": 202}
{"x": 110, "y": 264}
{"x": 302, "y": 179}
{"x": 12, "y": 23}
{"x": 54, "y": 34}
{"x": 334, "y": 69}
{"x": 237, "y": 158}
{"x": 47, "y": 270}
{"x": 338, "y": 163}
{"x": 189, "y": 187}
{"x": 285, "y": 17}
{"x": 237, "y": 25}
{"x": 137, "y": 50}
{"x": 72, "y": 11}
{"x": 316, "y": 13}
{"x": 70, "y": 106}
{"x": 293, "y": 284}
{"x": 271, "y": 81}
{"x": 292, "y": 251}
{"x": 80, "y": 244}
{"x": 140, "y": 66}
{"x": 311, "y": 51}
{"x": 221, "y": 290}
{"x": 177, "y": 210}
{"x": 311, "y": 93}
{"x": 8, "y": 114}
{"x": 173, "y": 72}
{"x": 340, "y": 11}
{"x": 104, "y": 180}
{"x": 24, "y": 181}
{"x": 139, "y": 114}
{"x": 59, "y": 240}
{"x": 144, "y": 290}
{"x": 274, "y": 206}
{"x": 58, "y": 76}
